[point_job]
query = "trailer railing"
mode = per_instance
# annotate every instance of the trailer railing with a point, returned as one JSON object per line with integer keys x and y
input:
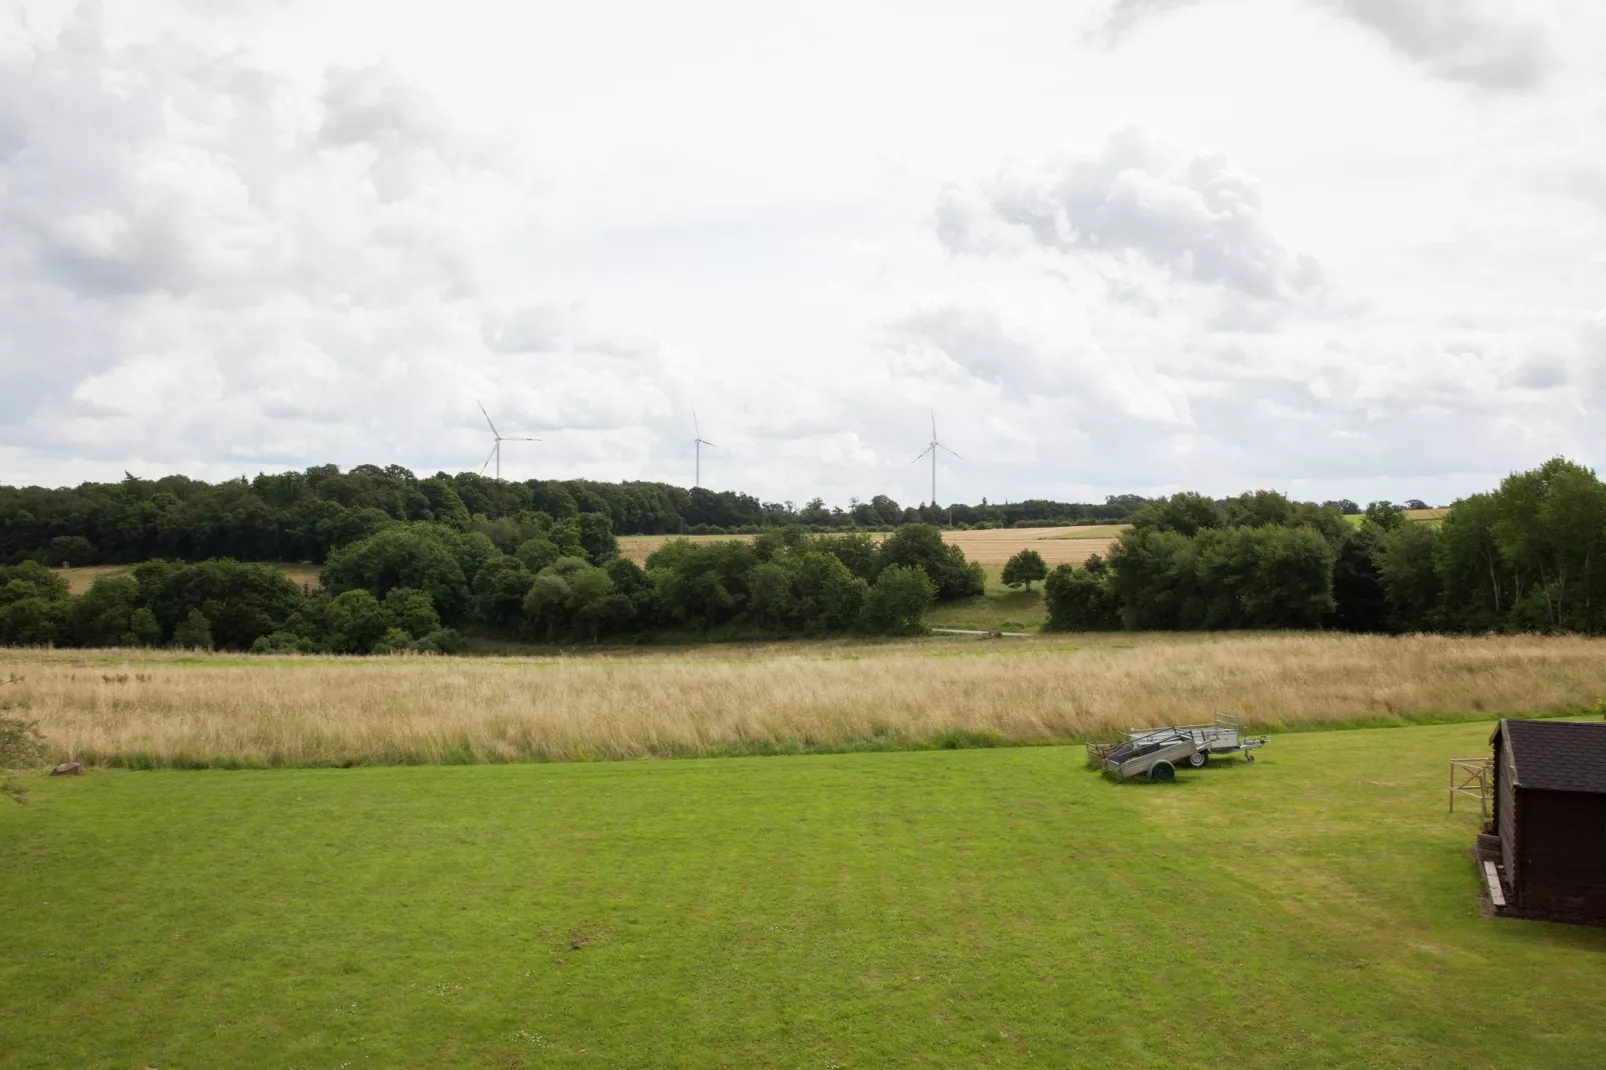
{"x": 1099, "y": 749}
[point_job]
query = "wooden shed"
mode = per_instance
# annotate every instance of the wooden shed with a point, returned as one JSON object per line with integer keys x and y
{"x": 1550, "y": 818}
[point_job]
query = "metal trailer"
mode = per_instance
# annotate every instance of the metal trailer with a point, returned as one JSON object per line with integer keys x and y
{"x": 1154, "y": 755}
{"x": 1156, "y": 752}
{"x": 1222, "y": 736}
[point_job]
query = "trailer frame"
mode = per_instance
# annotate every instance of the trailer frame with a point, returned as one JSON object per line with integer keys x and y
{"x": 1144, "y": 749}
{"x": 1223, "y": 735}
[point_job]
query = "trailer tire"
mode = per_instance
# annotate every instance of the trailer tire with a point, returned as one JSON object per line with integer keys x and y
{"x": 1162, "y": 771}
{"x": 1199, "y": 758}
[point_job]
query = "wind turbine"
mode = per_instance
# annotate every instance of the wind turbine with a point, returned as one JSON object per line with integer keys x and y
{"x": 932, "y": 447}
{"x": 496, "y": 450}
{"x": 699, "y": 442}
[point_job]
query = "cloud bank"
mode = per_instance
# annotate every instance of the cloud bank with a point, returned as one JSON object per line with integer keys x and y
{"x": 268, "y": 237}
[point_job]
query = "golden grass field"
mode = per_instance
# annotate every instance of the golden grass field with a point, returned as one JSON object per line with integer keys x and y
{"x": 80, "y": 580}
{"x": 165, "y": 708}
{"x": 993, "y": 547}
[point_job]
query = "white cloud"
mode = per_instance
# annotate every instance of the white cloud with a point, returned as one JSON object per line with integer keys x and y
{"x": 1247, "y": 246}
{"x": 1191, "y": 216}
{"x": 1488, "y": 43}
{"x": 1493, "y": 44}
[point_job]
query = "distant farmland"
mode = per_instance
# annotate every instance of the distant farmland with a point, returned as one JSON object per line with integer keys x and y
{"x": 991, "y": 547}
{"x": 80, "y": 580}
{"x": 1425, "y": 516}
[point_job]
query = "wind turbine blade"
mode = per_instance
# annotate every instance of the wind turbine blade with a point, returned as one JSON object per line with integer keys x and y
{"x": 933, "y": 425}
{"x": 695, "y": 426}
{"x": 716, "y": 445}
{"x": 950, "y": 451}
{"x": 922, "y": 455}
{"x": 526, "y": 438}
{"x": 487, "y": 416}
{"x": 487, "y": 463}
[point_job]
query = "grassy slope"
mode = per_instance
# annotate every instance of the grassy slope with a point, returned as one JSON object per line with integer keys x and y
{"x": 961, "y": 908}
{"x": 1000, "y": 609}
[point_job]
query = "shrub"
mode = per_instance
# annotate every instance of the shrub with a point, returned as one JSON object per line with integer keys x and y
{"x": 30, "y": 580}
{"x": 828, "y": 597}
{"x": 143, "y": 628}
{"x": 546, "y": 603}
{"x": 31, "y": 621}
{"x": 537, "y": 553}
{"x": 240, "y": 601}
{"x": 74, "y": 551}
{"x": 103, "y": 614}
{"x": 357, "y": 621}
{"x": 413, "y": 611}
{"x": 596, "y": 538}
{"x": 922, "y": 545}
{"x": 769, "y": 597}
{"x": 499, "y": 589}
{"x": 194, "y": 632}
{"x": 1079, "y": 601}
{"x": 281, "y": 643}
{"x": 427, "y": 557}
{"x": 393, "y": 641}
{"x": 441, "y": 641}
{"x": 899, "y": 600}
{"x": 21, "y": 747}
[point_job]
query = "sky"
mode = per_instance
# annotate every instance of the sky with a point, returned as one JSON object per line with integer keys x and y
{"x": 1340, "y": 248}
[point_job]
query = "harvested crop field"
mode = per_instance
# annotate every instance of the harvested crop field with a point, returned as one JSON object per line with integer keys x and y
{"x": 1064, "y": 545}
{"x": 80, "y": 580}
{"x": 163, "y": 709}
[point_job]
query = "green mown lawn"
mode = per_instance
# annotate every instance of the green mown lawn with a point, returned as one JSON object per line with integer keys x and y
{"x": 943, "y": 909}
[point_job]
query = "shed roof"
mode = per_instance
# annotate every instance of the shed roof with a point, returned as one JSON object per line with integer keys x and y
{"x": 1558, "y": 755}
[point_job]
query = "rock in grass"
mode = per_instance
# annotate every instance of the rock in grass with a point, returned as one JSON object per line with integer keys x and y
{"x": 68, "y": 769}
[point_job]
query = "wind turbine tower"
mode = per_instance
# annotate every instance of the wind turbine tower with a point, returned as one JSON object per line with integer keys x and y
{"x": 698, "y": 443}
{"x": 932, "y": 447}
{"x": 496, "y": 450}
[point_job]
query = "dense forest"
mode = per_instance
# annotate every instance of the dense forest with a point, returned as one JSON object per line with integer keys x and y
{"x": 306, "y": 516}
{"x": 410, "y": 564}
{"x": 418, "y": 585}
{"x": 1526, "y": 557}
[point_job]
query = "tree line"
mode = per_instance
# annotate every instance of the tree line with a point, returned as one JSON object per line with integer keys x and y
{"x": 420, "y": 585}
{"x": 1525, "y": 557}
{"x": 306, "y": 516}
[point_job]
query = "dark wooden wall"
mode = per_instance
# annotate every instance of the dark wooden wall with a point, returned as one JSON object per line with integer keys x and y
{"x": 1505, "y": 809}
{"x": 1561, "y": 852}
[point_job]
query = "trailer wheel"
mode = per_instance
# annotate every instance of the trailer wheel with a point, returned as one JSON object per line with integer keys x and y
{"x": 1162, "y": 771}
{"x": 1198, "y": 759}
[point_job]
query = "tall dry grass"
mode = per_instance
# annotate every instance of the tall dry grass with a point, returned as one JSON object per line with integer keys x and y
{"x": 95, "y": 707}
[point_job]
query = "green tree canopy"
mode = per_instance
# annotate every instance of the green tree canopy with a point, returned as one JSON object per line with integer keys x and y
{"x": 898, "y": 600}
{"x": 1024, "y": 568}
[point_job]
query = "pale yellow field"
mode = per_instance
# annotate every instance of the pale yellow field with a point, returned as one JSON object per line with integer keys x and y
{"x": 170, "y": 709}
{"x": 1057, "y": 545}
{"x": 80, "y": 580}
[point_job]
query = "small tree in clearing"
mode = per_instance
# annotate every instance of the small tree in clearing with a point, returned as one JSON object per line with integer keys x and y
{"x": 1023, "y": 568}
